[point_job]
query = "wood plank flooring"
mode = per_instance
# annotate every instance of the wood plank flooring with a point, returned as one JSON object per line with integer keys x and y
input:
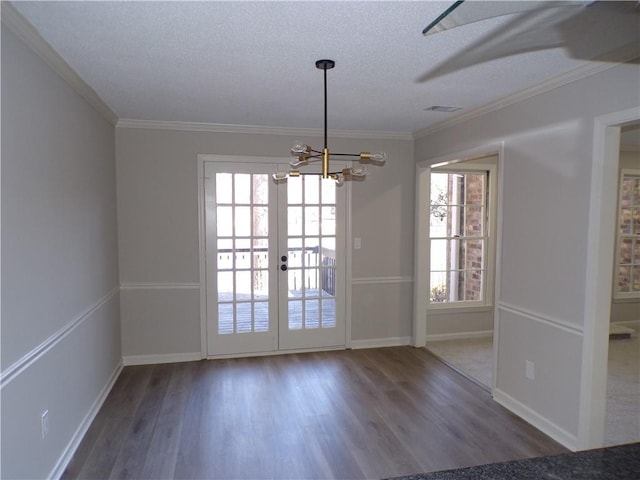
{"x": 352, "y": 414}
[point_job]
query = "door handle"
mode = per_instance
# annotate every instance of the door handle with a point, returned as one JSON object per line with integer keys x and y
{"x": 283, "y": 267}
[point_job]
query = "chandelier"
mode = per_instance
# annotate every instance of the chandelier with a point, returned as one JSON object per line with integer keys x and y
{"x": 306, "y": 155}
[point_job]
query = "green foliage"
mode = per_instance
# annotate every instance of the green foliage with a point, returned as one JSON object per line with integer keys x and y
{"x": 438, "y": 293}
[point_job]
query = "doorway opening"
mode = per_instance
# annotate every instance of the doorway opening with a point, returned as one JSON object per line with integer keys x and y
{"x": 601, "y": 248}
{"x": 460, "y": 243}
{"x": 622, "y": 410}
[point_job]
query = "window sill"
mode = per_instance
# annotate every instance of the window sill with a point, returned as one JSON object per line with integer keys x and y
{"x": 635, "y": 299}
{"x": 432, "y": 309}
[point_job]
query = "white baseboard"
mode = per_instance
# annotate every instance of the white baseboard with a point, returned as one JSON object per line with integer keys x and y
{"x": 534, "y": 418}
{"x": 381, "y": 342}
{"x": 79, "y": 434}
{"x": 161, "y": 358}
{"x": 627, "y": 322}
{"x": 459, "y": 336}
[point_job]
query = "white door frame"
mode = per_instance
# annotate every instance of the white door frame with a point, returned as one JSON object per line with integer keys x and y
{"x": 599, "y": 265}
{"x": 284, "y": 161}
{"x": 422, "y": 254}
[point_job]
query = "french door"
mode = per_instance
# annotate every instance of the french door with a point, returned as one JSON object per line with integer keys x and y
{"x": 274, "y": 260}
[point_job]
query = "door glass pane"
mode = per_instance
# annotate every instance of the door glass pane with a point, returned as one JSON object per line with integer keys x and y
{"x": 312, "y": 314}
{"x": 328, "y": 282}
{"x": 312, "y": 271}
{"x": 295, "y": 315}
{"x": 243, "y": 221}
{"x": 243, "y": 253}
{"x": 242, "y": 259}
{"x": 260, "y": 189}
{"x": 312, "y": 189}
{"x": 295, "y": 282}
{"x": 329, "y": 313}
{"x": 261, "y": 253}
{"x": 294, "y": 220}
{"x": 225, "y": 254}
{"x": 243, "y": 285}
{"x": 244, "y": 317}
{"x": 224, "y": 221}
{"x": 328, "y": 192}
{"x": 328, "y": 220}
{"x": 261, "y": 284}
{"x": 242, "y": 188}
{"x": 223, "y": 188}
{"x": 311, "y": 220}
{"x": 260, "y": 221}
{"x": 225, "y": 318}
{"x": 294, "y": 190}
{"x": 261, "y": 316}
{"x": 295, "y": 252}
{"x": 311, "y": 250}
{"x": 225, "y": 286}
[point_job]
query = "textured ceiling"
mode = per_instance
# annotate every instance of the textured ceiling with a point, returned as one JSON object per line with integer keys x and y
{"x": 252, "y": 63}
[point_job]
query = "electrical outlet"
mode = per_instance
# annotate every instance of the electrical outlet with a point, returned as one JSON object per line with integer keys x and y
{"x": 530, "y": 372}
{"x": 44, "y": 422}
{"x": 357, "y": 243}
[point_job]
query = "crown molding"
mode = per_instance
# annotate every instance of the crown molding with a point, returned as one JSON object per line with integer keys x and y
{"x": 624, "y": 54}
{"x": 15, "y": 22}
{"x": 258, "y": 130}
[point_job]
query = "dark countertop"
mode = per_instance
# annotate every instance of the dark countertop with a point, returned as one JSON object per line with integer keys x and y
{"x": 613, "y": 463}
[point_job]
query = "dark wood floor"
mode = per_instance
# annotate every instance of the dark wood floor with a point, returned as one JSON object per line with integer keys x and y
{"x": 350, "y": 414}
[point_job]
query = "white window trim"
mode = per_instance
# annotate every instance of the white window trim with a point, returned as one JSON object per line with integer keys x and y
{"x": 489, "y": 261}
{"x": 621, "y": 297}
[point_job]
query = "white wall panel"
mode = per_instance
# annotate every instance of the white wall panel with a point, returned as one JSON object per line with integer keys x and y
{"x": 381, "y": 310}
{"x": 160, "y": 321}
{"x": 443, "y": 323}
{"x": 60, "y": 307}
{"x": 555, "y": 352}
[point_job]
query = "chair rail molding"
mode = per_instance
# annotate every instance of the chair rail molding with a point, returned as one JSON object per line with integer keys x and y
{"x": 36, "y": 353}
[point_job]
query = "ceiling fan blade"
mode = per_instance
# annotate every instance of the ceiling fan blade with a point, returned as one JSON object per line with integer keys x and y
{"x": 464, "y": 12}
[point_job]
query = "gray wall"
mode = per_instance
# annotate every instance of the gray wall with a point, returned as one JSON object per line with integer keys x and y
{"x": 60, "y": 305}
{"x": 548, "y": 143}
{"x": 158, "y": 235}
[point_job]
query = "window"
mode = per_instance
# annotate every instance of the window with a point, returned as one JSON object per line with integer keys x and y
{"x": 459, "y": 237}
{"x": 628, "y": 244}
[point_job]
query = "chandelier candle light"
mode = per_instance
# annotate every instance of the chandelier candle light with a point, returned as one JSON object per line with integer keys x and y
{"x": 306, "y": 155}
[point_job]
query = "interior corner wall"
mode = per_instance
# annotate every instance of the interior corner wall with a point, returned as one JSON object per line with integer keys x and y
{"x": 60, "y": 305}
{"x": 158, "y": 235}
{"x": 548, "y": 150}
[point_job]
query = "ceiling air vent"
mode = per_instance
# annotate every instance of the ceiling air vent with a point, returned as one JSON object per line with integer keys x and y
{"x": 442, "y": 108}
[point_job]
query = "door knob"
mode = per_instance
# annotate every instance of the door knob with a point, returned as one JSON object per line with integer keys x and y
{"x": 283, "y": 268}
